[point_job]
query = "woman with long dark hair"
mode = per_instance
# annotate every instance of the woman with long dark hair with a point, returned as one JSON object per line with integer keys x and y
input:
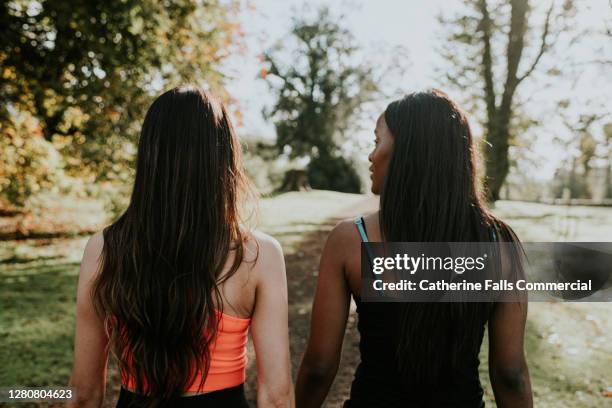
{"x": 172, "y": 287}
{"x": 416, "y": 354}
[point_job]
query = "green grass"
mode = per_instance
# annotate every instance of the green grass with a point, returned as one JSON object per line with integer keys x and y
{"x": 568, "y": 352}
{"x": 568, "y": 345}
{"x": 37, "y": 323}
{"x": 535, "y": 222}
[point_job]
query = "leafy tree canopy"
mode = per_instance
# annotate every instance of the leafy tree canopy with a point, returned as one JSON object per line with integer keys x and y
{"x": 82, "y": 74}
{"x": 88, "y": 70}
{"x": 319, "y": 85}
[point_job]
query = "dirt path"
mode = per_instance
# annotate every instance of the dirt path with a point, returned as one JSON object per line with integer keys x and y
{"x": 302, "y": 268}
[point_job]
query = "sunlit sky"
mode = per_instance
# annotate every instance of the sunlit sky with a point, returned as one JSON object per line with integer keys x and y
{"x": 413, "y": 25}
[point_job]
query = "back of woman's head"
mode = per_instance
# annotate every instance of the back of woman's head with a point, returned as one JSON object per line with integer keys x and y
{"x": 162, "y": 259}
{"x": 432, "y": 172}
{"x": 430, "y": 194}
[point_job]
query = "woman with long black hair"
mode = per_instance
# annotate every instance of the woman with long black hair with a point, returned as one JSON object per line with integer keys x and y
{"x": 172, "y": 287}
{"x": 416, "y": 354}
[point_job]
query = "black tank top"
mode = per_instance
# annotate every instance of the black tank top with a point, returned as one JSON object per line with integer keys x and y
{"x": 378, "y": 381}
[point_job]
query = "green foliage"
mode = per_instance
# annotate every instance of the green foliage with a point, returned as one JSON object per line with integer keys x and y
{"x": 87, "y": 71}
{"x": 29, "y": 163}
{"x": 333, "y": 173}
{"x": 319, "y": 90}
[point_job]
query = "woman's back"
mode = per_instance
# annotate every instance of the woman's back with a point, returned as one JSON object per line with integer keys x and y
{"x": 172, "y": 287}
{"x": 378, "y": 380}
{"x": 228, "y": 355}
{"x": 423, "y": 165}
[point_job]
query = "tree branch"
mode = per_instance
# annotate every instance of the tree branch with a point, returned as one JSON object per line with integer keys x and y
{"x": 274, "y": 71}
{"x": 543, "y": 44}
{"x": 516, "y": 43}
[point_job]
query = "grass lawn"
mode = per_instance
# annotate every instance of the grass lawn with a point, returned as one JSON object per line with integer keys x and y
{"x": 568, "y": 345}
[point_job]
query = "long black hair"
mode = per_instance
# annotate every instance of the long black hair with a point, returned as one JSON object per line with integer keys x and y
{"x": 162, "y": 260}
{"x": 430, "y": 194}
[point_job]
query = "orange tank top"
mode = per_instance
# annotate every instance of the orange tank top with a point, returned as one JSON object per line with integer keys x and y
{"x": 228, "y": 357}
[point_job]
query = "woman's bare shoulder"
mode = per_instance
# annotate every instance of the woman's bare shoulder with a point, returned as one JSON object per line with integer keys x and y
{"x": 263, "y": 252}
{"x": 260, "y": 241}
{"x": 342, "y": 237}
{"x": 346, "y": 230}
{"x": 91, "y": 262}
{"x": 93, "y": 249}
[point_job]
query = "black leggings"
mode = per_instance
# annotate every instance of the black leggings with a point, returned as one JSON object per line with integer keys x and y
{"x": 227, "y": 398}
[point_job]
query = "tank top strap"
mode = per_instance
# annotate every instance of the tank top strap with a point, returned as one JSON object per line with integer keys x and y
{"x": 360, "y": 223}
{"x": 361, "y": 228}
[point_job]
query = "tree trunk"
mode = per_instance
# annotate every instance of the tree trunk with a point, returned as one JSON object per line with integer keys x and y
{"x": 497, "y": 163}
{"x": 608, "y": 187}
{"x": 295, "y": 180}
{"x": 499, "y": 115}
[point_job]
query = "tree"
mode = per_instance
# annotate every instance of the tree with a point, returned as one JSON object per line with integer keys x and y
{"x": 484, "y": 28}
{"x": 319, "y": 91}
{"x": 608, "y": 157}
{"x": 88, "y": 70}
{"x": 575, "y": 175}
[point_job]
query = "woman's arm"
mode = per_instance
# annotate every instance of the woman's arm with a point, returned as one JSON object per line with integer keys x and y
{"x": 507, "y": 366}
{"x": 90, "y": 343}
{"x": 329, "y": 314}
{"x": 270, "y": 328}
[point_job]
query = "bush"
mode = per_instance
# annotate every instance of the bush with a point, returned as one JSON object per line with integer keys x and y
{"x": 336, "y": 173}
{"x": 30, "y": 164}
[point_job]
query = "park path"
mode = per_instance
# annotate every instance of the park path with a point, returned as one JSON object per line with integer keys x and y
{"x": 302, "y": 268}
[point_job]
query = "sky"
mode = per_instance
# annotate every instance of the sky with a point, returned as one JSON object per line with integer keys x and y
{"x": 372, "y": 24}
{"x": 413, "y": 26}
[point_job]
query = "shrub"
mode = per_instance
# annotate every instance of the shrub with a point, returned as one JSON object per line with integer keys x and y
{"x": 333, "y": 172}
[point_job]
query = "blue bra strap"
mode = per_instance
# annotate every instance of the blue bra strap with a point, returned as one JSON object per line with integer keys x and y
{"x": 359, "y": 222}
{"x": 364, "y": 236}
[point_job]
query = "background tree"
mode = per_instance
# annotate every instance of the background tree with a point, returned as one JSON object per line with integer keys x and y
{"x": 608, "y": 155}
{"x": 320, "y": 90}
{"x": 493, "y": 46}
{"x": 86, "y": 71}
{"x": 580, "y": 175}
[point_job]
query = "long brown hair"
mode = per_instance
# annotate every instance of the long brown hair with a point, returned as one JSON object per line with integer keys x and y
{"x": 158, "y": 287}
{"x": 430, "y": 194}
